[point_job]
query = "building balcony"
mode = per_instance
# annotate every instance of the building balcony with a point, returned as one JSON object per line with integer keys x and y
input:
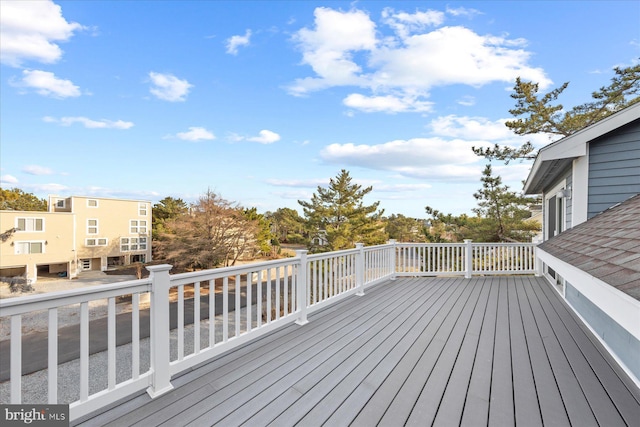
{"x": 397, "y": 334}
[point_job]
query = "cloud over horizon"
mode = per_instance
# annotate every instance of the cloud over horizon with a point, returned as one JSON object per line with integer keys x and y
{"x": 399, "y": 69}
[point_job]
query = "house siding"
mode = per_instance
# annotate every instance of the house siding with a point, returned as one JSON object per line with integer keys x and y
{"x": 624, "y": 345}
{"x": 614, "y": 168}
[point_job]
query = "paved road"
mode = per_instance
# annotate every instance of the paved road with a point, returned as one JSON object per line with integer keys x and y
{"x": 35, "y": 350}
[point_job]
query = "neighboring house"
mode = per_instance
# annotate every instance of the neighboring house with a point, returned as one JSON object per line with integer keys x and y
{"x": 76, "y": 234}
{"x": 590, "y": 185}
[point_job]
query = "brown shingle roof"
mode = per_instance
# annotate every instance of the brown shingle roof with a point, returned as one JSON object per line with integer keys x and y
{"x": 612, "y": 253}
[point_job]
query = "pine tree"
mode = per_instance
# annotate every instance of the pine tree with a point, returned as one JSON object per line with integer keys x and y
{"x": 337, "y": 217}
{"x": 534, "y": 114}
{"x": 504, "y": 212}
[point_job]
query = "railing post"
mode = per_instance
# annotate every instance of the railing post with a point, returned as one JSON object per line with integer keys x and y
{"x": 537, "y": 264}
{"x": 468, "y": 258}
{"x": 160, "y": 283}
{"x": 393, "y": 258}
{"x": 360, "y": 269}
{"x": 301, "y": 288}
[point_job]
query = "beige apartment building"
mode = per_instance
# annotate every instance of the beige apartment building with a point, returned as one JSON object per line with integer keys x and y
{"x": 76, "y": 234}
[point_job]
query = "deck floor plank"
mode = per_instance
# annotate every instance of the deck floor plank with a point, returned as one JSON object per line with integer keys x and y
{"x": 363, "y": 345}
{"x": 608, "y": 394}
{"x": 407, "y": 395}
{"x": 289, "y": 372}
{"x": 526, "y": 403}
{"x": 561, "y": 397}
{"x": 428, "y": 403}
{"x": 425, "y": 351}
{"x": 330, "y": 392}
{"x": 501, "y": 411}
{"x": 371, "y": 393}
{"x": 448, "y": 411}
{"x": 476, "y": 407}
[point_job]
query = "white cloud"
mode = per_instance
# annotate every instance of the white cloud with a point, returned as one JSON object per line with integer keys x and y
{"x": 8, "y": 179}
{"x": 30, "y": 30}
{"x": 46, "y": 83}
{"x": 90, "y": 123}
{"x": 329, "y": 46}
{"x": 265, "y": 137}
{"x": 467, "y": 101}
{"x": 302, "y": 183}
{"x": 234, "y": 42}
{"x": 387, "y": 103}
{"x": 392, "y": 188}
{"x": 463, "y": 11}
{"x": 168, "y": 87}
{"x": 474, "y": 128}
{"x": 418, "y": 157}
{"x": 37, "y": 170}
{"x": 470, "y": 128}
{"x": 196, "y": 134}
{"x": 404, "y": 24}
{"x": 348, "y": 49}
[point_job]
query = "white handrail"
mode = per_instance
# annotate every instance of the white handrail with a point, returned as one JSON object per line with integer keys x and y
{"x": 244, "y": 302}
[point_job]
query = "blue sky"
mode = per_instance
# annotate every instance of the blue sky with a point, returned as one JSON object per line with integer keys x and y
{"x": 262, "y": 101}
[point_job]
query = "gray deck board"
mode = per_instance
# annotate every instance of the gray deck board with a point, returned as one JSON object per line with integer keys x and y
{"x": 414, "y": 351}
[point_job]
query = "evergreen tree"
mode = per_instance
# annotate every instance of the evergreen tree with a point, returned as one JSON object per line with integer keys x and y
{"x": 264, "y": 237}
{"x": 504, "y": 212}
{"x": 405, "y": 229}
{"x": 337, "y": 217}
{"x": 165, "y": 210}
{"x": 534, "y": 114}
{"x": 18, "y": 200}
{"x": 287, "y": 225}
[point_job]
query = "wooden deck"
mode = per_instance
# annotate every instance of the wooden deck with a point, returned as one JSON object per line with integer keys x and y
{"x": 498, "y": 351}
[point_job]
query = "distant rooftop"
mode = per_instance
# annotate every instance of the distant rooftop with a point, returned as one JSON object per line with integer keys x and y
{"x": 607, "y": 246}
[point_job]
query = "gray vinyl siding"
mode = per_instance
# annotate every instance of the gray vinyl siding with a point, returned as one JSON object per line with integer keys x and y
{"x": 625, "y": 346}
{"x": 614, "y": 168}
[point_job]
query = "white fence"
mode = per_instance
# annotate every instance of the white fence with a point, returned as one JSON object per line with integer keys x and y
{"x": 468, "y": 258}
{"x": 196, "y": 316}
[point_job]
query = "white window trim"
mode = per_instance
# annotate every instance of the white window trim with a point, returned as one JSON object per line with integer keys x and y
{"x": 64, "y": 203}
{"x": 32, "y": 218}
{"x": 93, "y": 200}
{"x": 143, "y": 206}
{"x": 548, "y": 195}
{"x": 134, "y": 241}
{"x": 15, "y": 250}
{"x": 86, "y": 241}
{"x": 138, "y": 226}
{"x": 90, "y": 226}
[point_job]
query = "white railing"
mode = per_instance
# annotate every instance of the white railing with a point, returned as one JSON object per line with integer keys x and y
{"x": 468, "y": 258}
{"x": 196, "y": 316}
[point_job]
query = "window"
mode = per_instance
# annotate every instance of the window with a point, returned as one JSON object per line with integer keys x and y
{"x": 29, "y": 248}
{"x": 128, "y": 244}
{"x": 92, "y": 203}
{"x": 60, "y": 203}
{"x": 30, "y": 224}
{"x": 96, "y": 242}
{"x": 138, "y": 226}
{"x": 92, "y": 226}
{"x": 142, "y": 209}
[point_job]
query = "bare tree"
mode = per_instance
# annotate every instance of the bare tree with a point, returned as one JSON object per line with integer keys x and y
{"x": 214, "y": 232}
